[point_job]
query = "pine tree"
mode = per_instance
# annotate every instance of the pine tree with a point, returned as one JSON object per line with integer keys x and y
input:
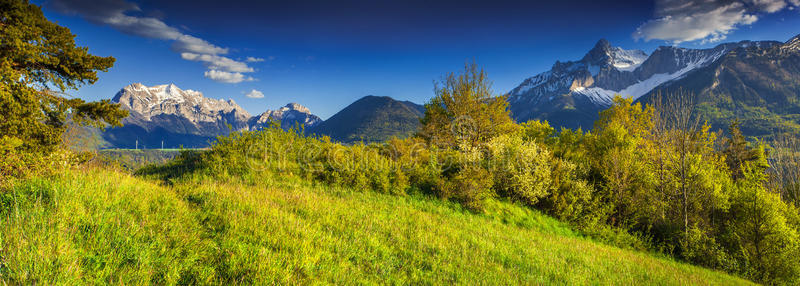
{"x": 39, "y": 62}
{"x": 737, "y": 152}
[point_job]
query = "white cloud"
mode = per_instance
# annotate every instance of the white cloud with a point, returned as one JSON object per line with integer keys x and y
{"x": 254, "y": 60}
{"x": 215, "y": 62}
{"x": 254, "y": 94}
{"x": 769, "y": 6}
{"x": 708, "y": 21}
{"x": 186, "y": 43}
{"x": 227, "y": 77}
{"x": 116, "y": 14}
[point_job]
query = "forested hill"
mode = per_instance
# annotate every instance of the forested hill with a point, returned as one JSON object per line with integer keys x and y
{"x": 372, "y": 119}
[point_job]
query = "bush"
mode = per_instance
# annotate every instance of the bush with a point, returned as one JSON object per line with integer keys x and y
{"x": 16, "y": 164}
{"x": 570, "y": 198}
{"x": 471, "y": 186}
{"x": 362, "y": 167}
{"x": 520, "y": 168}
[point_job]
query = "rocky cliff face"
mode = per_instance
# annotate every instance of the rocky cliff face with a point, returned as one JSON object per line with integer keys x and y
{"x": 757, "y": 83}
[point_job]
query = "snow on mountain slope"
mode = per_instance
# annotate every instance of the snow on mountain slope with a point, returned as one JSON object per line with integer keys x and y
{"x": 176, "y": 116}
{"x": 642, "y": 87}
{"x": 606, "y": 71}
{"x": 168, "y": 99}
{"x": 287, "y": 116}
{"x": 628, "y": 60}
{"x": 588, "y": 85}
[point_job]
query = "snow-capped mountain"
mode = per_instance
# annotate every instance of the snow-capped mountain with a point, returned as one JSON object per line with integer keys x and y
{"x": 288, "y": 116}
{"x": 572, "y": 93}
{"x": 181, "y": 111}
{"x": 627, "y": 60}
{"x": 793, "y": 45}
{"x": 168, "y": 114}
{"x": 757, "y": 83}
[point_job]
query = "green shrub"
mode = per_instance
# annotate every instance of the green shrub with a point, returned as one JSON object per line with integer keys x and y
{"x": 471, "y": 186}
{"x": 521, "y": 169}
{"x": 761, "y": 233}
{"x": 570, "y": 198}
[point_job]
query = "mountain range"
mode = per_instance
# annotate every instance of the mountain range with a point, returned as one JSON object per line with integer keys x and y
{"x": 756, "y": 82}
{"x": 168, "y": 116}
{"x": 176, "y": 117}
{"x": 748, "y": 80}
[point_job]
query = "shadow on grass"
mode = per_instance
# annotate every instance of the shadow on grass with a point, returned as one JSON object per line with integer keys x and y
{"x": 184, "y": 165}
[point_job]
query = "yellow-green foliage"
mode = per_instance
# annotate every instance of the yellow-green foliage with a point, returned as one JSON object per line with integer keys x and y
{"x": 102, "y": 227}
{"x": 464, "y": 111}
{"x": 15, "y": 165}
{"x": 764, "y": 230}
{"x": 521, "y": 169}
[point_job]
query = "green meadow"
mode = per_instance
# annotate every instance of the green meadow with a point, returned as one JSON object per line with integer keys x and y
{"x": 104, "y": 227}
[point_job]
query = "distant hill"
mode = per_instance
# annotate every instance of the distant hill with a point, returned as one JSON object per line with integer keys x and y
{"x": 372, "y": 119}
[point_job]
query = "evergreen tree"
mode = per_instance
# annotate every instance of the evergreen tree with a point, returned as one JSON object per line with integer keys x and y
{"x": 737, "y": 152}
{"x": 39, "y": 62}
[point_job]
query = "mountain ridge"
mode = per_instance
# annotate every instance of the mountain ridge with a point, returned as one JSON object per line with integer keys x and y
{"x": 175, "y": 117}
{"x": 572, "y": 93}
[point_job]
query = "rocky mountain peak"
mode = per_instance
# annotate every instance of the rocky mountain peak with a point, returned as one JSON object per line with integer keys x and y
{"x": 581, "y": 88}
{"x": 288, "y": 116}
{"x": 792, "y": 44}
{"x": 171, "y": 109}
{"x": 603, "y": 55}
{"x": 600, "y": 55}
{"x": 296, "y": 106}
{"x": 602, "y": 45}
{"x": 166, "y": 113}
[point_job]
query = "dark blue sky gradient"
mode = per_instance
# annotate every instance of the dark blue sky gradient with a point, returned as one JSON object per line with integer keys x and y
{"x": 330, "y": 53}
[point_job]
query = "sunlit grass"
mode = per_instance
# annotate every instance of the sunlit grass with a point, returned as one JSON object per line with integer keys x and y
{"x": 99, "y": 226}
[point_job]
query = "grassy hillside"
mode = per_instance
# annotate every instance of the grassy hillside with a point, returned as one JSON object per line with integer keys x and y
{"x": 98, "y": 226}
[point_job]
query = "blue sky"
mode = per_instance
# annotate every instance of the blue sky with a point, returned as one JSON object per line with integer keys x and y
{"x": 326, "y": 54}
